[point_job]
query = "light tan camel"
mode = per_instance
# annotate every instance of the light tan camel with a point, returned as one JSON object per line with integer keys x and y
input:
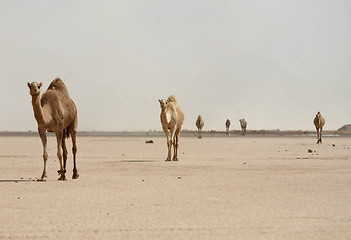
{"x": 172, "y": 118}
{"x": 319, "y": 122}
{"x": 227, "y": 125}
{"x": 243, "y": 125}
{"x": 55, "y": 112}
{"x": 199, "y": 124}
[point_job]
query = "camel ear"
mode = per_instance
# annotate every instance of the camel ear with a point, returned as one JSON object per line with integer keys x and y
{"x": 40, "y": 84}
{"x": 28, "y": 84}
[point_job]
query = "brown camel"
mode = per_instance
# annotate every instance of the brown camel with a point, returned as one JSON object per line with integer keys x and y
{"x": 172, "y": 118}
{"x": 227, "y": 125}
{"x": 319, "y": 122}
{"x": 199, "y": 124}
{"x": 243, "y": 125}
{"x": 55, "y": 112}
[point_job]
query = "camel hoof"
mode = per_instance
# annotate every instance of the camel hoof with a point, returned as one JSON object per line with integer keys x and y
{"x": 175, "y": 159}
{"x": 167, "y": 160}
{"x": 43, "y": 178}
{"x": 62, "y": 178}
{"x": 75, "y": 175}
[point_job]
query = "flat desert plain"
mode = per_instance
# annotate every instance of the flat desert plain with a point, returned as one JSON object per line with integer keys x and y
{"x": 222, "y": 188}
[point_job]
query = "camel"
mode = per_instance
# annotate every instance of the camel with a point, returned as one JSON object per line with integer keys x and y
{"x": 227, "y": 125}
{"x": 55, "y": 112}
{"x": 172, "y": 118}
{"x": 319, "y": 122}
{"x": 199, "y": 124}
{"x": 243, "y": 125}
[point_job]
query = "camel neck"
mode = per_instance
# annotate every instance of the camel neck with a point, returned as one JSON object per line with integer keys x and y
{"x": 37, "y": 108}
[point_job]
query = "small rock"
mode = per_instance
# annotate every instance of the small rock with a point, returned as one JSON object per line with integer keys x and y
{"x": 310, "y": 151}
{"x": 149, "y": 141}
{"x": 333, "y": 145}
{"x": 179, "y": 177}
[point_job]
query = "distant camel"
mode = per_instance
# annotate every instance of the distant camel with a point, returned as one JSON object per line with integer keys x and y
{"x": 227, "y": 125}
{"x": 199, "y": 124}
{"x": 319, "y": 122}
{"x": 243, "y": 125}
{"x": 172, "y": 118}
{"x": 55, "y": 112}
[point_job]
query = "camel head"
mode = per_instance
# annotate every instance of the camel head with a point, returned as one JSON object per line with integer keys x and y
{"x": 163, "y": 103}
{"x": 34, "y": 88}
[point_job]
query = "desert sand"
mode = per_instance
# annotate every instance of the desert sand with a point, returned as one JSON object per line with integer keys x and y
{"x": 222, "y": 188}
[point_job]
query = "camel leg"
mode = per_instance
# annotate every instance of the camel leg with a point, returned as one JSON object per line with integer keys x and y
{"x": 320, "y": 135}
{"x": 64, "y": 152}
{"x": 172, "y": 143}
{"x": 59, "y": 136}
{"x": 175, "y": 158}
{"x": 43, "y": 138}
{"x": 74, "y": 150}
{"x": 176, "y": 145}
{"x": 169, "y": 144}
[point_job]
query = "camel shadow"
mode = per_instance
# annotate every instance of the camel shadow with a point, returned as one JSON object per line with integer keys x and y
{"x": 18, "y": 180}
{"x": 137, "y": 161}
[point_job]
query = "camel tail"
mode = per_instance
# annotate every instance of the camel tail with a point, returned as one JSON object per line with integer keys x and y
{"x": 66, "y": 133}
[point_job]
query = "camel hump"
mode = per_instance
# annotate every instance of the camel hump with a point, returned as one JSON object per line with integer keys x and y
{"x": 172, "y": 98}
{"x": 59, "y": 85}
{"x": 199, "y": 119}
{"x": 319, "y": 120}
{"x": 199, "y": 122}
{"x": 173, "y": 104}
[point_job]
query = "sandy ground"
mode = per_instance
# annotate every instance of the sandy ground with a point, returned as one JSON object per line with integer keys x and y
{"x": 222, "y": 188}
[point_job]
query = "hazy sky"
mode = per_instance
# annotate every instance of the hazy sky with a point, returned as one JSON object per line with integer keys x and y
{"x": 273, "y": 62}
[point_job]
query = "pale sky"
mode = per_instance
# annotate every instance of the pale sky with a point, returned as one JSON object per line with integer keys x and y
{"x": 275, "y": 63}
